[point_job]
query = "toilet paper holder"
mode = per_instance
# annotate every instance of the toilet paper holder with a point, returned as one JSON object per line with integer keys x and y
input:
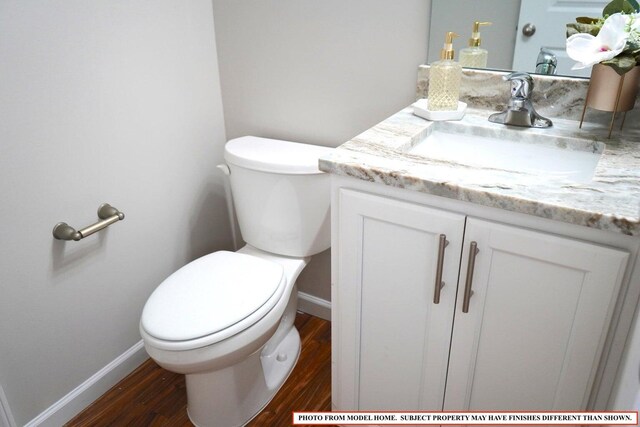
{"x": 107, "y": 214}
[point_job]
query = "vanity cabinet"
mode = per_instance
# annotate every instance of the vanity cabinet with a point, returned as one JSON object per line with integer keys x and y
{"x": 437, "y": 310}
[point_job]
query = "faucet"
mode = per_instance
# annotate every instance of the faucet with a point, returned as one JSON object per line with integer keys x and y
{"x": 520, "y": 111}
{"x": 546, "y": 62}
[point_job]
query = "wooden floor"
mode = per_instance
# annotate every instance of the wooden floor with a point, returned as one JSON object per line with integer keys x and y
{"x": 152, "y": 396}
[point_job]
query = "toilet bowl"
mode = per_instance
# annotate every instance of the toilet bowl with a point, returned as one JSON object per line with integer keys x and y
{"x": 226, "y": 320}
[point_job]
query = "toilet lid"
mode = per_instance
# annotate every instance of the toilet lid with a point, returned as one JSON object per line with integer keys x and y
{"x": 211, "y": 294}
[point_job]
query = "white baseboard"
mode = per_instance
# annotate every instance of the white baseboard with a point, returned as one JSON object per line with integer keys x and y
{"x": 87, "y": 392}
{"x": 6, "y": 419}
{"x": 315, "y": 306}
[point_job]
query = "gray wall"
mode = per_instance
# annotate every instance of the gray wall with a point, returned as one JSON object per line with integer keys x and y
{"x": 101, "y": 101}
{"x": 318, "y": 72}
{"x": 458, "y": 16}
{"x": 626, "y": 394}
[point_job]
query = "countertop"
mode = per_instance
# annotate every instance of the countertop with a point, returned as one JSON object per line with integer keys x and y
{"x": 610, "y": 201}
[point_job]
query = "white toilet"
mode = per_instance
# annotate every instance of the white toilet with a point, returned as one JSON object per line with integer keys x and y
{"x": 226, "y": 320}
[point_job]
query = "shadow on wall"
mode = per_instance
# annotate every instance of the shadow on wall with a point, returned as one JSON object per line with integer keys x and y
{"x": 66, "y": 255}
{"x": 209, "y": 209}
{"x": 315, "y": 279}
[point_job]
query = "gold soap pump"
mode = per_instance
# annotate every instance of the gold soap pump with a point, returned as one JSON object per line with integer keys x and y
{"x": 474, "y": 56}
{"x": 447, "y": 51}
{"x": 444, "y": 79}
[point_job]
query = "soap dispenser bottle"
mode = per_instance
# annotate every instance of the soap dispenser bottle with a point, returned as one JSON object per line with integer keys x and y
{"x": 444, "y": 79}
{"x": 474, "y": 56}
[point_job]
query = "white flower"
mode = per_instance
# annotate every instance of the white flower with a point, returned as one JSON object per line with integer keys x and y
{"x": 634, "y": 27}
{"x": 610, "y": 41}
{"x": 634, "y": 22}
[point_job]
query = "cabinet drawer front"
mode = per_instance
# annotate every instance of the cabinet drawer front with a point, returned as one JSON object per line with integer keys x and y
{"x": 392, "y": 340}
{"x": 537, "y": 320}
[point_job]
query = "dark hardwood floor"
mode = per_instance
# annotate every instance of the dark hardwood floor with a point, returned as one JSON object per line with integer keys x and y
{"x": 152, "y": 396}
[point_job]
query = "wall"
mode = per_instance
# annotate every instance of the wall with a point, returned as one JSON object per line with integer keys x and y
{"x": 458, "y": 16}
{"x": 104, "y": 101}
{"x": 317, "y": 72}
{"x": 626, "y": 395}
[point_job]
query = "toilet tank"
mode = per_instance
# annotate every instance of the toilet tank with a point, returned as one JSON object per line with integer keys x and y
{"x": 281, "y": 198}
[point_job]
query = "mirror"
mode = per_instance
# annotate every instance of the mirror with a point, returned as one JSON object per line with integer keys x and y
{"x": 511, "y": 48}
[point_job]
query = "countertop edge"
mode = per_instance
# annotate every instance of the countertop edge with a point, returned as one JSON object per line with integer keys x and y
{"x": 352, "y": 160}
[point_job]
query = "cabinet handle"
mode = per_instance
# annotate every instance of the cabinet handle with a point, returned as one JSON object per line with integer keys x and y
{"x": 473, "y": 251}
{"x": 439, "y": 283}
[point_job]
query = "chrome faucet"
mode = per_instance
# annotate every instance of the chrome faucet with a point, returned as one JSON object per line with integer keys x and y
{"x": 547, "y": 62}
{"x": 520, "y": 111}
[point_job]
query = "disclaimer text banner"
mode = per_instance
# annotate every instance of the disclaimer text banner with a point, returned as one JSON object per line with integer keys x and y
{"x": 494, "y": 418}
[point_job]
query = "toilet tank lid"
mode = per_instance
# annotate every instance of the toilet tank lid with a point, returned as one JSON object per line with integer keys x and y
{"x": 273, "y": 155}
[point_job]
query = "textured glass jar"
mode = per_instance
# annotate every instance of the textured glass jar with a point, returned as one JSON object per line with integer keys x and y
{"x": 444, "y": 85}
{"x": 474, "y": 57}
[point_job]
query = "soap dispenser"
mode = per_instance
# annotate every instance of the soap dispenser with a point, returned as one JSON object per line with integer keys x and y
{"x": 474, "y": 56}
{"x": 444, "y": 79}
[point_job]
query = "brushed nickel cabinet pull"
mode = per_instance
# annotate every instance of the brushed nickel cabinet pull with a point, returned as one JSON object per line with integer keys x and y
{"x": 108, "y": 215}
{"x": 439, "y": 283}
{"x": 473, "y": 251}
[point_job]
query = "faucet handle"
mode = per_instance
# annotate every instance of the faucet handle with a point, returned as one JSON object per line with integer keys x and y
{"x": 519, "y": 111}
{"x": 521, "y": 84}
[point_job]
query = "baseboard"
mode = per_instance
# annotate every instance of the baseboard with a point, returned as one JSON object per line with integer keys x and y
{"x": 315, "y": 306}
{"x": 87, "y": 392}
{"x": 6, "y": 419}
{"x": 94, "y": 387}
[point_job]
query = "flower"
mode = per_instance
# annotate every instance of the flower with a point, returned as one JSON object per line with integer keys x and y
{"x": 609, "y": 43}
{"x": 614, "y": 41}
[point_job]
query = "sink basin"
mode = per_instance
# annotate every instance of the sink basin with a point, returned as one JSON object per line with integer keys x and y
{"x": 520, "y": 151}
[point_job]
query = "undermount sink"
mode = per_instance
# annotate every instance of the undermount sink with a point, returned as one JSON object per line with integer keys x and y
{"x": 514, "y": 150}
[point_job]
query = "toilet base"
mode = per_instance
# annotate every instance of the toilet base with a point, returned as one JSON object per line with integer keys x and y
{"x": 232, "y": 396}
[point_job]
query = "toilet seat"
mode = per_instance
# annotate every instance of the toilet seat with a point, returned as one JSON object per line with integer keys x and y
{"x": 211, "y": 299}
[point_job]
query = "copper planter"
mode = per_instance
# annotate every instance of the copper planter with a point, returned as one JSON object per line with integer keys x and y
{"x": 609, "y": 91}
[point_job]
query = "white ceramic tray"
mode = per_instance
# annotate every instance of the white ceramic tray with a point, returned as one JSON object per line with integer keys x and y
{"x": 420, "y": 109}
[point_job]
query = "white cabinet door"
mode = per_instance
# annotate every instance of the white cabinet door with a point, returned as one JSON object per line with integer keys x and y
{"x": 391, "y": 341}
{"x": 536, "y": 323}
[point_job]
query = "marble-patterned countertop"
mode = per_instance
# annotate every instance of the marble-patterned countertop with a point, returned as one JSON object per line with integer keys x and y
{"x": 610, "y": 201}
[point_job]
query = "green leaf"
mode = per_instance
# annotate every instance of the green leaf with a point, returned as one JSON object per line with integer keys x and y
{"x": 618, "y": 6}
{"x": 577, "y": 27}
{"x": 621, "y": 63}
{"x": 635, "y": 5}
{"x": 587, "y": 20}
{"x": 632, "y": 48}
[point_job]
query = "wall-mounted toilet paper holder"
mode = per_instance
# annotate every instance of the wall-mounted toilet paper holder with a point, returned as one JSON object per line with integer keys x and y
{"x": 108, "y": 215}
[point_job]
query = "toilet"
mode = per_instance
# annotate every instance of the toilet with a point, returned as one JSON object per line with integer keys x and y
{"x": 226, "y": 320}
